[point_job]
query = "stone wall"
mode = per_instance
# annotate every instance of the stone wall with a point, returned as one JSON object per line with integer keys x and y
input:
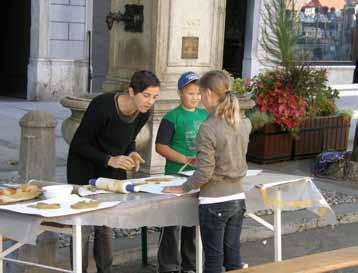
{"x": 59, "y": 48}
{"x": 67, "y": 29}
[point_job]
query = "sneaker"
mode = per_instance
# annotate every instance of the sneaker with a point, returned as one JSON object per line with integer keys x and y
{"x": 244, "y": 265}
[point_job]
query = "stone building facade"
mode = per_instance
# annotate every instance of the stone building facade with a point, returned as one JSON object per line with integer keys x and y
{"x": 58, "y": 63}
{"x": 69, "y": 39}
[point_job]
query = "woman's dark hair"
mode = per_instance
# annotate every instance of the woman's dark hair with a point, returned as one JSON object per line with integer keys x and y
{"x": 143, "y": 79}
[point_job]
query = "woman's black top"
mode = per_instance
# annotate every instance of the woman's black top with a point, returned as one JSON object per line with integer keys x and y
{"x": 103, "y": 132}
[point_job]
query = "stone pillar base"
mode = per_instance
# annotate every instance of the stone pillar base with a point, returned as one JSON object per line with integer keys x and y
{"x": 51, "y": 79}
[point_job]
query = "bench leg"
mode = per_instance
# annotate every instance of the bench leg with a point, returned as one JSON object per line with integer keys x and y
{"x": 77, "y": 248}
{"x": 199, "y": 250}
{"x": 277, "y": 229}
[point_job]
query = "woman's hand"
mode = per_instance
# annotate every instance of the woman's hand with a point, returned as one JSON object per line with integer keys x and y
{"x": 137, "y": 160}
{"x": 121, "y": 162}
{"x": 174, "y": 189}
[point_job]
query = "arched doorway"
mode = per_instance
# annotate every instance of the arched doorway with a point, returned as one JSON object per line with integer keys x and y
{"x": 15, "y": 48}
{"x": 235, "y": 23}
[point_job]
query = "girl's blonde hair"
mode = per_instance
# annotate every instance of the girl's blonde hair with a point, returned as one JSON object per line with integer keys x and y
{"x": 228, "y": 108}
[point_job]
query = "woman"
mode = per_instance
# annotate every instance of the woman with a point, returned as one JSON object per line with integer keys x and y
{"x": 221, "y": 164}
{"x": 104, "y": 146}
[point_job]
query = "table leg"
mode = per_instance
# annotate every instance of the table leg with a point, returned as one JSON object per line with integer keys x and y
{"x": 1, "y": 260}
{"x": 277, "y": 228}
{"x": 144, "y": 246}
{"x": 77, "y": 248}
{"x": 199, "y": 251}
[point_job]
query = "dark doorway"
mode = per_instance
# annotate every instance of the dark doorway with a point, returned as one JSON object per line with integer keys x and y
{"x": 234, "y": 36}
{"x": 15, "y": 47}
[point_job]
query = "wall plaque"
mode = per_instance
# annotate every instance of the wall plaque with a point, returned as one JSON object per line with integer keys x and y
{"x": 190, "y": 47}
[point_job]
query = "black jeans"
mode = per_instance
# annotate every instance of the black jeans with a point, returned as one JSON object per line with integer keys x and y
{"x": 169, "y": 258}
{"x": 102, "y": 248}
{"x": 220, "y": 228}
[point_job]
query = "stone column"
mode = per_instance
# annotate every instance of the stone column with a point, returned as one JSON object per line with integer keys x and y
{"x": 39, "y": 65}
{"x": 251, "y": 62}
{"x": 37, "y": 146}
{"x": 58, "y": 63}
{"x": 178, "y": 36}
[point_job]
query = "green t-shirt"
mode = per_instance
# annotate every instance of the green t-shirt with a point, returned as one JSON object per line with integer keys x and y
{"x": 178, "y": 130}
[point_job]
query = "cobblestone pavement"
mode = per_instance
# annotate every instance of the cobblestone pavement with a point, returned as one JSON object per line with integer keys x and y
{"x": 294, "y": 245}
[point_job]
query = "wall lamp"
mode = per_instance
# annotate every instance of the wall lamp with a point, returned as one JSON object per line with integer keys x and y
{"x": 132, "y": 17}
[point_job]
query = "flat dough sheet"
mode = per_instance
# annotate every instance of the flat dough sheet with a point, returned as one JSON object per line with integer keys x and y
{"x": 65, "y": 209}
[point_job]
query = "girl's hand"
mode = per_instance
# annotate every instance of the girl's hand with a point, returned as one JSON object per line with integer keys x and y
{"x": 121, "y": 162}
{"x": 174, "y": 189}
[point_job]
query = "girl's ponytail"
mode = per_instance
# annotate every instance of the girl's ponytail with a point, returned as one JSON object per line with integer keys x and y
{"x": 228, "y": 108}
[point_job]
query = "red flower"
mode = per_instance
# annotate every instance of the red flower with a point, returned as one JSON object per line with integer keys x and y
{"x": 287, "y": 109}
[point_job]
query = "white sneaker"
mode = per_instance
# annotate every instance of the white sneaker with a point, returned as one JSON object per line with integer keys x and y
{"x": 244, "y": 265}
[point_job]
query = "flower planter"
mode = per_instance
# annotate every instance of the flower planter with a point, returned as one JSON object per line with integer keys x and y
{"x": 321, "y": 134}
{"x": 269, "y": 144}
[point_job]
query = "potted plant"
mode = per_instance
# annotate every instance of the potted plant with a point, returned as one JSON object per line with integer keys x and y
{"x": 294, "y": 96}
{"x": 242, "y": 90}
{"x": 277, "y": 111}
{"x": 324, "y": 127}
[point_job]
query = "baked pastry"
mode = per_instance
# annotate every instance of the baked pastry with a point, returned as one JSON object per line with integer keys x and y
{"x": 91, "y": 204}
{"x": 22, "y": 193}
{"x": 41, "y": 205}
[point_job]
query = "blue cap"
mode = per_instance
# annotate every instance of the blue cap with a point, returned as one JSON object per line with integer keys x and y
{"x": 187, "y": 78}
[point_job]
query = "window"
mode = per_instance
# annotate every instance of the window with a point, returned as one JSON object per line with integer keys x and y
{"x": 327, "y": 29}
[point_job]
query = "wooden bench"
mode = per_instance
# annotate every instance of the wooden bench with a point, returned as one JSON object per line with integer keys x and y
{"x": 315, "y": 263}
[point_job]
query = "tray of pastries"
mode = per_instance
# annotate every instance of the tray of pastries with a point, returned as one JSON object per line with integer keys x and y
{"x": 20, "y": 193}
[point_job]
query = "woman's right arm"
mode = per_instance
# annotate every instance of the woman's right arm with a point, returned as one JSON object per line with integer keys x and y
{"x": 92, "y": 123}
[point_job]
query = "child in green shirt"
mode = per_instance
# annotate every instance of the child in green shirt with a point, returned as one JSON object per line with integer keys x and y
{"x": 175, "y": 141}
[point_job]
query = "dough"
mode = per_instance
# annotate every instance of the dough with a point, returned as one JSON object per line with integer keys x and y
{"x": 42, "y": 205}
{"x": 158, "y": 180}
{"x": 85, "y": 204}
{"x": 136, "y": 157}
{"x": 137, "y": 160}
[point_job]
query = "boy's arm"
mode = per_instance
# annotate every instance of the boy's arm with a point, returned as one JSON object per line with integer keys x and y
{"x": 165, "y": 134}
{"x": 170, "y": 154}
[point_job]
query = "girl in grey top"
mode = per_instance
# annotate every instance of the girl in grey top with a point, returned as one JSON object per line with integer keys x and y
{"x": 221, "y": 151}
